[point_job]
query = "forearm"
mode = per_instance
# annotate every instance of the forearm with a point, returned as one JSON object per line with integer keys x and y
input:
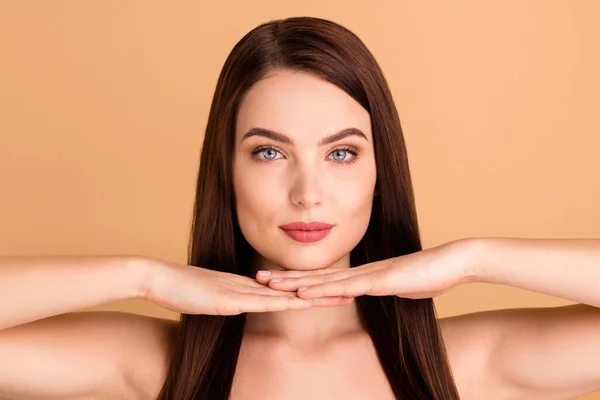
{"x": 33, "y": 288}
{"x": 565, "y": 268}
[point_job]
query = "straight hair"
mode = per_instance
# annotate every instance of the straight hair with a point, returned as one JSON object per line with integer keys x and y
{"x": 405, "y": 332}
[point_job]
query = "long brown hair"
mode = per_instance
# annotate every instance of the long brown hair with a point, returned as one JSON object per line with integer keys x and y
{"x": 404, "y": 331}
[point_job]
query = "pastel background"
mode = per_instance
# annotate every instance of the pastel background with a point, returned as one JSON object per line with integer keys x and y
{"x": 103, "y": 106}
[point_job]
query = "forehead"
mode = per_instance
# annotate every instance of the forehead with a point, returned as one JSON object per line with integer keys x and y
{"x": 299, "y": 104}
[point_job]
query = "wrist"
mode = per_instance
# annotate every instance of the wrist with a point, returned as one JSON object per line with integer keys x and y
{"x": 145, "y": 270}
{"x": 472, "y": 258}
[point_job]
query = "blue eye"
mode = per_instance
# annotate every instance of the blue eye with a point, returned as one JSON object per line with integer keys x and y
{"x": 342, "y": 151}
{"x": 270, "y": 153}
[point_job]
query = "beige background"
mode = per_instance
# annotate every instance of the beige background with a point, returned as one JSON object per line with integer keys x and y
{"x": 103, "y": 106}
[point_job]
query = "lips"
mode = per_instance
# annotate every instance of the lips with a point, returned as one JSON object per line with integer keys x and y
{"x": 307, "y": 232}
{"x": 303, "y": 226}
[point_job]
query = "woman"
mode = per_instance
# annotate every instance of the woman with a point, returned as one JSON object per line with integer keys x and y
{"x": 303, "y": 183}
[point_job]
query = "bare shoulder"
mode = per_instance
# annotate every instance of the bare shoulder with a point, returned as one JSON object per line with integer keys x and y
{"x": 143, "y": 342}
{"x": 496, "y": 354}
{"x": 150, "y": 340}
{"x": 103, "y": 354}
{"x": 471, "y": 340}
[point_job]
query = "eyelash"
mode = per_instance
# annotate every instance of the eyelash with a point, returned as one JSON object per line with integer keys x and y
{"x": 350, "y": 150}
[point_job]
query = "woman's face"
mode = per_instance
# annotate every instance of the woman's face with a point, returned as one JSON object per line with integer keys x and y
{"x": 302, "y": 177}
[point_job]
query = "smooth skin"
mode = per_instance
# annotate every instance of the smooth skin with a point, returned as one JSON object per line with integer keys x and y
{"x": 294, "y": 348}
{"x": 114, "y": 355}
{"x": 564, "y": 340}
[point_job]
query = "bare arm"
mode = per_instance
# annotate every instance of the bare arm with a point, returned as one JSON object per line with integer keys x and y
{"x": 33, "y": 288}
{"x": 48, "y": 350}
{"x": 549, "y": 353}
{"x": 565, "y": 268}
{"x": 85, "y": 355}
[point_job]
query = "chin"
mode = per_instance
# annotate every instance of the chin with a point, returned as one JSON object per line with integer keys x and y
{"x": 296, "y": 258}
{"x": 303, "y": 262}
{"x": 300, "y": 267}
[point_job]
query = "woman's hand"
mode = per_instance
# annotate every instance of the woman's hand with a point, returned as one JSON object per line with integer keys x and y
{"x": 194, "y": 290}
{"x": 424, "y": 274}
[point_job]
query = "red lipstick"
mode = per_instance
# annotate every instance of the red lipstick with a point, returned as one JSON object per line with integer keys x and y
{"x": 307, "y": 232}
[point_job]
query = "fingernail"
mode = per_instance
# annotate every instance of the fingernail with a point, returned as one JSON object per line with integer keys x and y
{"x": 300, "y": 289}
{"x": 264, "y": 273}
{"x": 276, "y": 279}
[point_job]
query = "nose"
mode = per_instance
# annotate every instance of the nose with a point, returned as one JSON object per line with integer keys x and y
{"x": 306, "y": 189}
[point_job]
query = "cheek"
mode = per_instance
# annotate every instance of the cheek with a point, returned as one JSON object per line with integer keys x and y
{"x": 355, "y": 194}
{"x": 355, "y": 209}
{"x": 355, "y": 203}
{"x": 256, "y": 202}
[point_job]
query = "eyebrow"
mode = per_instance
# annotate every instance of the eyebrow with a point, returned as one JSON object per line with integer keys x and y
{"x": 280, "y": 137}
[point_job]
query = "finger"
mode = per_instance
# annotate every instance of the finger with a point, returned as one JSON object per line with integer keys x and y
{"x": 292, "y": 284}
{"x": 361, "y": 269}
{"x": 243, "y": 280}
{"x": 265, "y": 303}
{"x": 265, "y": 275}
{"x": 353, "y": 286}
{"x": 263, "y": 290}
{"x": 260, "y": 277}
{"x": 319, "y": 302}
